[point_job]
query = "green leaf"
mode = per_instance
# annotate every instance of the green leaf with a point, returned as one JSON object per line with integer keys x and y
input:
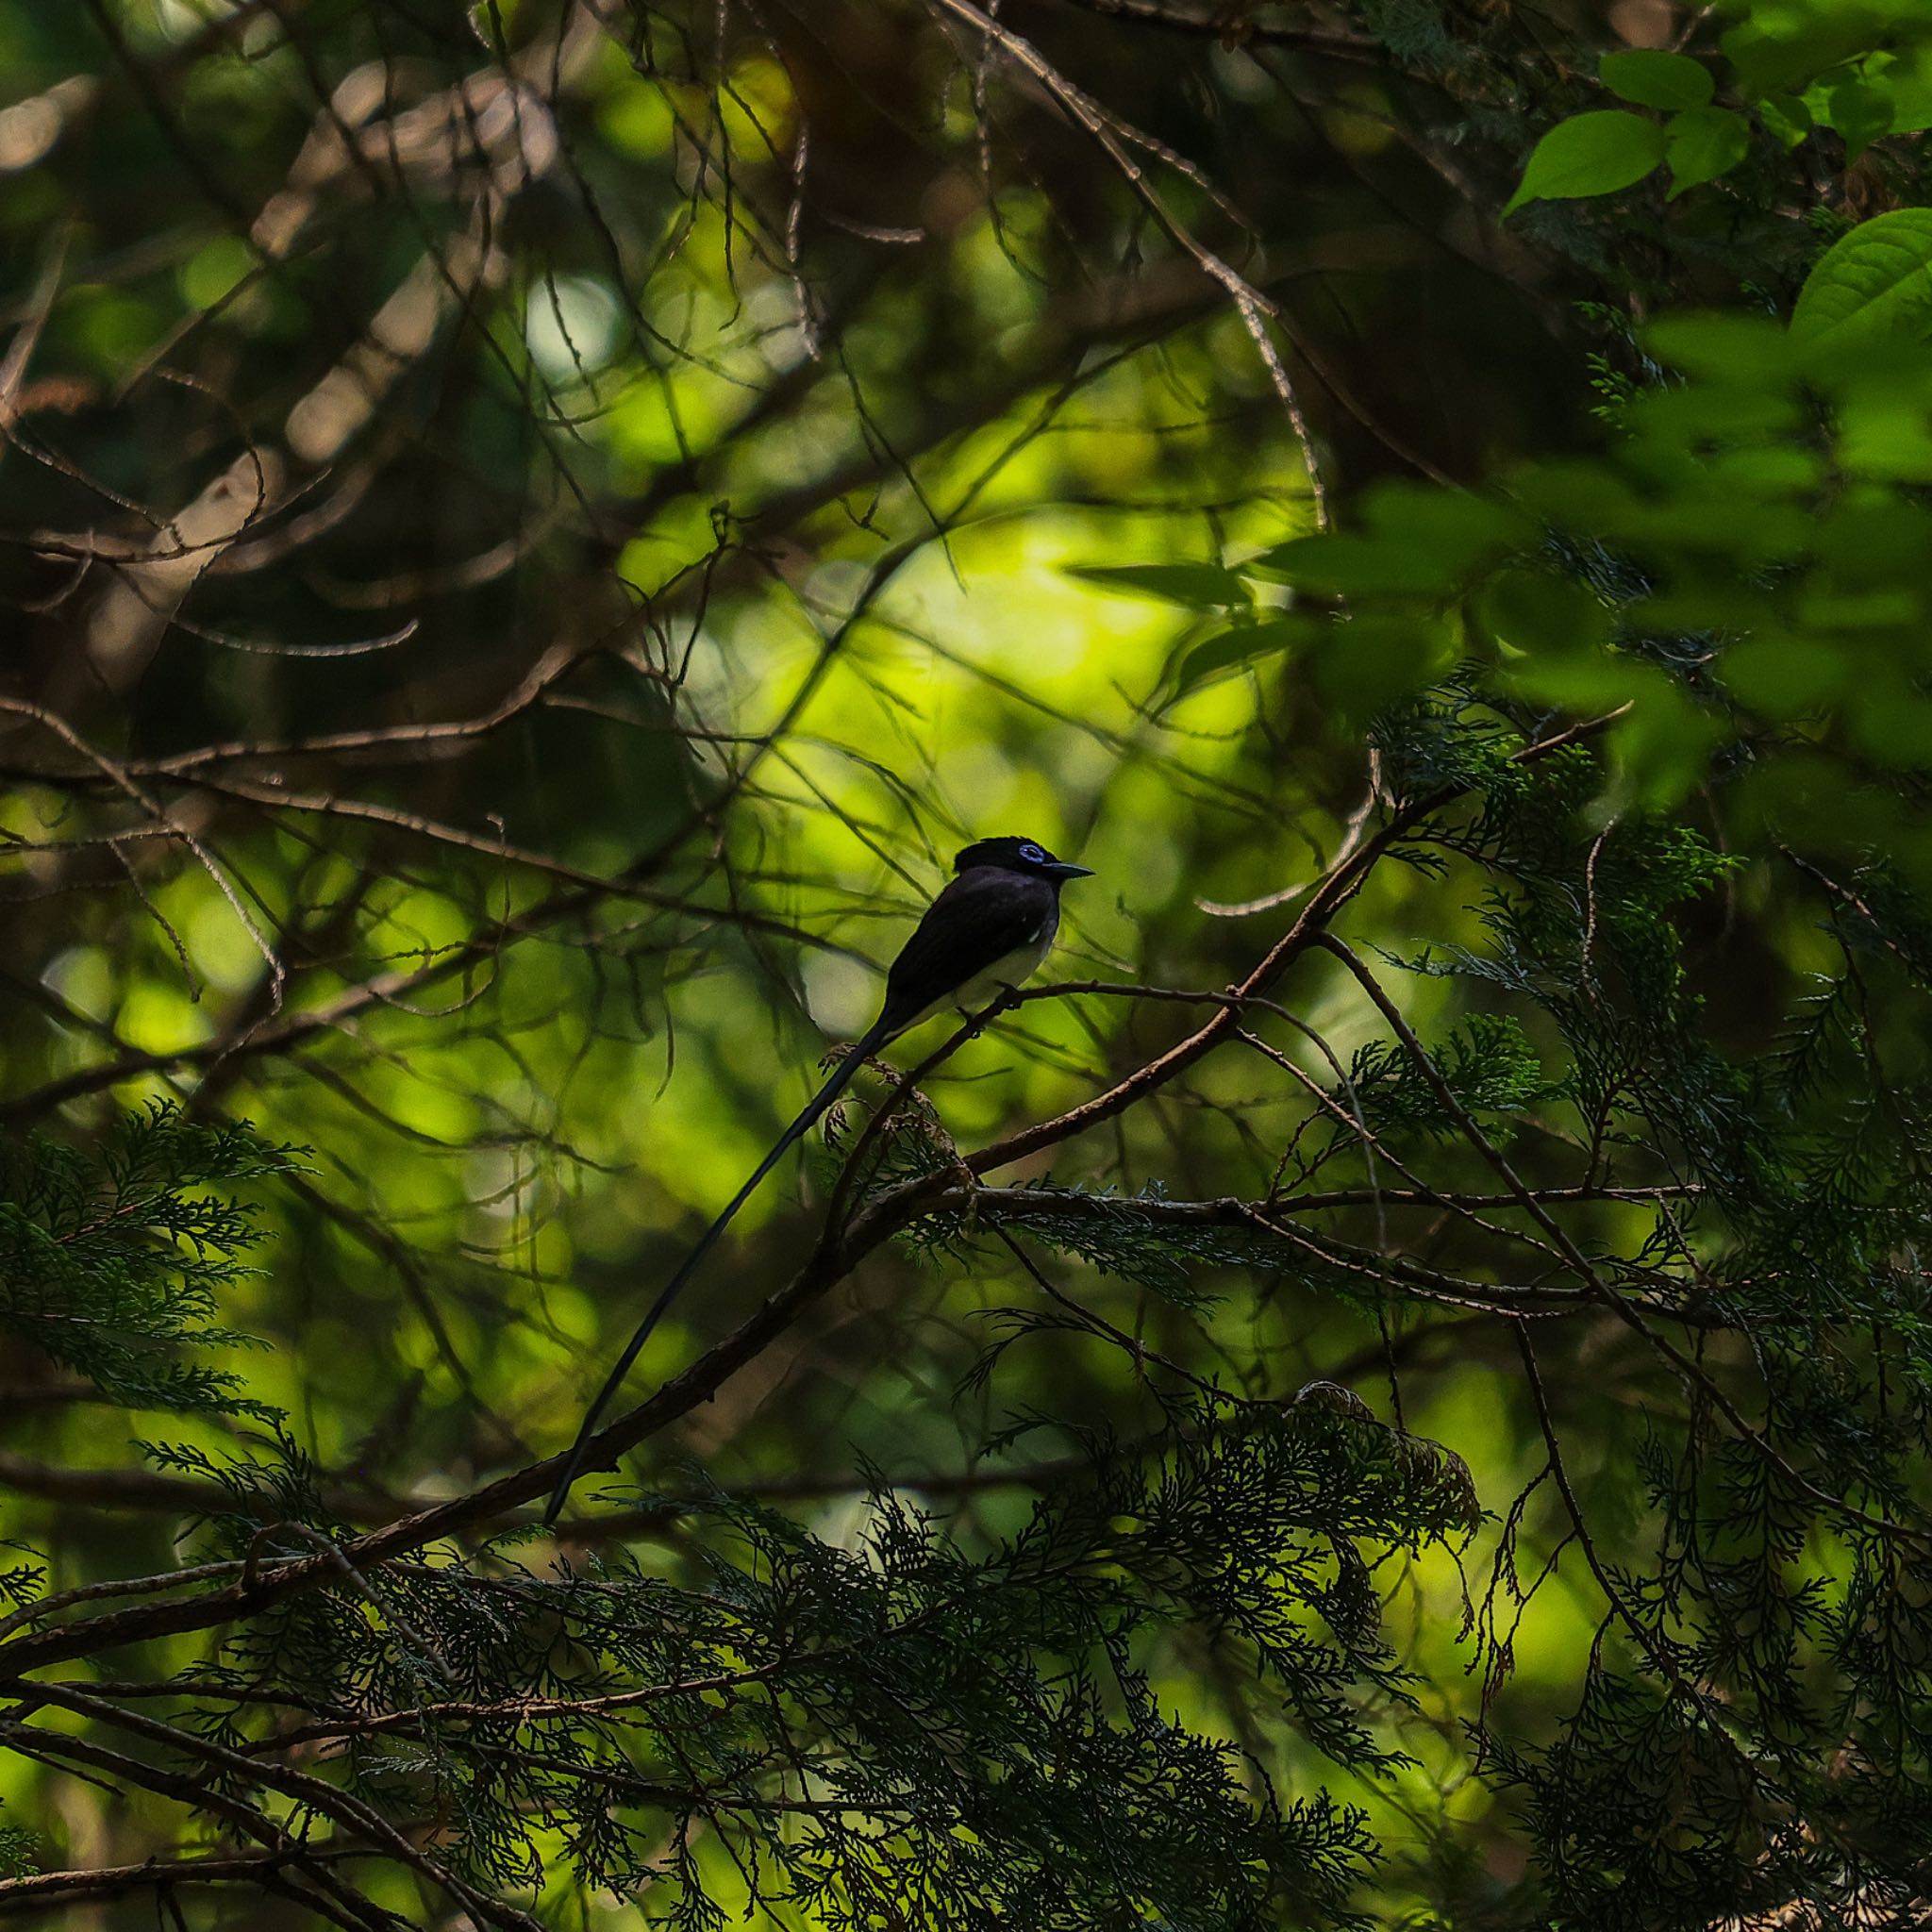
{"x": 1198, "y": 585}
{"x": 1860, "y": 113}
{"x": 1456, "y": 527}
{"x": 1723, "y": 347}
{"x": 1369, "y": 662}
{"x": 1589, "y": 154}
{"x": 1349, "y": 566}
{"x": 1537, "y": 613}
{"x": 1703, "y": 143}
{"x": 1241, "y": 645}
{"x": 1876, "y": 282}
{"x": 1786, "y": 117}
{"x": 1790, "y": 50}
{"x": 1422, "y": 543}
{"x": 1662, "y": 744}
{"x": 1882, "y": 433}
{"x": 1653, "y": 79}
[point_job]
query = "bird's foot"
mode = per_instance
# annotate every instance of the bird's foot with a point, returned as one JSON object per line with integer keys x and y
{"x": 1005, "y": 1001}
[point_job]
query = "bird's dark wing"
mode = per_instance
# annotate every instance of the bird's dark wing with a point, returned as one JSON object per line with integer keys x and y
{"x": 977, "y": 919}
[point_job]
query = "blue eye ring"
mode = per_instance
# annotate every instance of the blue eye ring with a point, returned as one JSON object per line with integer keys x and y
{"x": 1032, "y": 853}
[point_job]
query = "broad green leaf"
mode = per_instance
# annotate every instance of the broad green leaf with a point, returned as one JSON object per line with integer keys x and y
{"x": 1454, "y": 526}
{"x": 1703, "y": 143}
{"x": 1198, "y": 585}
{"x": 1662, "y": 744}
{"x": 1243, "y": 644}
{"x": 1589, "y": 154}
{"x": 1875, "y": 282}
{"x": 1653, "y": 79}
{"x": 1786, "y": 117}
{"x": 1908, "y": 86}
{"x": 1859, "y": 609}
{"x": 1351, "y": 566}
{"x": 1724, "y": 348}
{"x": 1876, "y": 542}
{"x": 1788, "y": 50}
{"x": 1421, "y": 541}
{"x": 1369, "y": 662}
{"x": 1860, "y": 113}
{"x": 1698, "y": 413}
{"x": 1536, "y": 612}
{"x": 1892, "y": 723}
{"x": 1883, "y": 433}
{"x": 1777, "y": 468}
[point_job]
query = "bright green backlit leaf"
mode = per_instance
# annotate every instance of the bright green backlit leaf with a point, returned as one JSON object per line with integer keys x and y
{"x": 637, "y": 118}
{"x": 1198, "y": 585}
{"x": 1856, "y": 610}
{"x": 1716, "y": 523}
{"x": 1703, "y": 143}
{"x": 1911, "y": 88}
{"x": 1875, "y": 282}
{"x": 1653, "y": 79}
{"x": 1703, "y": 413}
{"x": 1775, "y": 470}
{"x": 1876, "y": 542}
{"x": 1578, "y": 681}
{"x": 1575, "y": 496}
{"x": 1589, "y": 154}
{"x": 1790, "y": 49}
{"x": 113, "y": 328}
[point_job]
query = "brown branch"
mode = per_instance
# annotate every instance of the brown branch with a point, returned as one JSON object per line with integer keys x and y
{"x": 337, "y": 1902}
{"x": 41, "y": 1891}
{"x": 342, "y": 1808}
{"x": 1230, "y": 29}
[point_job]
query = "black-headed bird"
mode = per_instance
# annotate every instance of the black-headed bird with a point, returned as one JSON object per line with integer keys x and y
{"x": 989, "y": 929}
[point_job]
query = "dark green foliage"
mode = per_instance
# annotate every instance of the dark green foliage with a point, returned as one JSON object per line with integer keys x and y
{"x": 968, "y": 1735}
{"x": 114, "y": 1266}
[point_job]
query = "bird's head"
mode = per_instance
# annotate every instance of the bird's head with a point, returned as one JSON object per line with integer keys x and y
{"x": 1019, "y": 855}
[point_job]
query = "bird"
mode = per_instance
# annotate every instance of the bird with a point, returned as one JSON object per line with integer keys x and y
{"x": 990, "y": 927}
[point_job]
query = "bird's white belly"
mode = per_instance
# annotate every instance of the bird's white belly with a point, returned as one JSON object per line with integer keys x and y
{"x": 1013, "y": 969}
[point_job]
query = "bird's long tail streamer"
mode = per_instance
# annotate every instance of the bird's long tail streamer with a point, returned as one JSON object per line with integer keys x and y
{"x": 814, "y": 1109}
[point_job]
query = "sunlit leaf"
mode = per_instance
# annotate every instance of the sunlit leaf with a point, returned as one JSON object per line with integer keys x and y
{"x": 1704, "y": 142}
{"x": 1877, "y": 281}
{"x": 1589, "y": 154}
